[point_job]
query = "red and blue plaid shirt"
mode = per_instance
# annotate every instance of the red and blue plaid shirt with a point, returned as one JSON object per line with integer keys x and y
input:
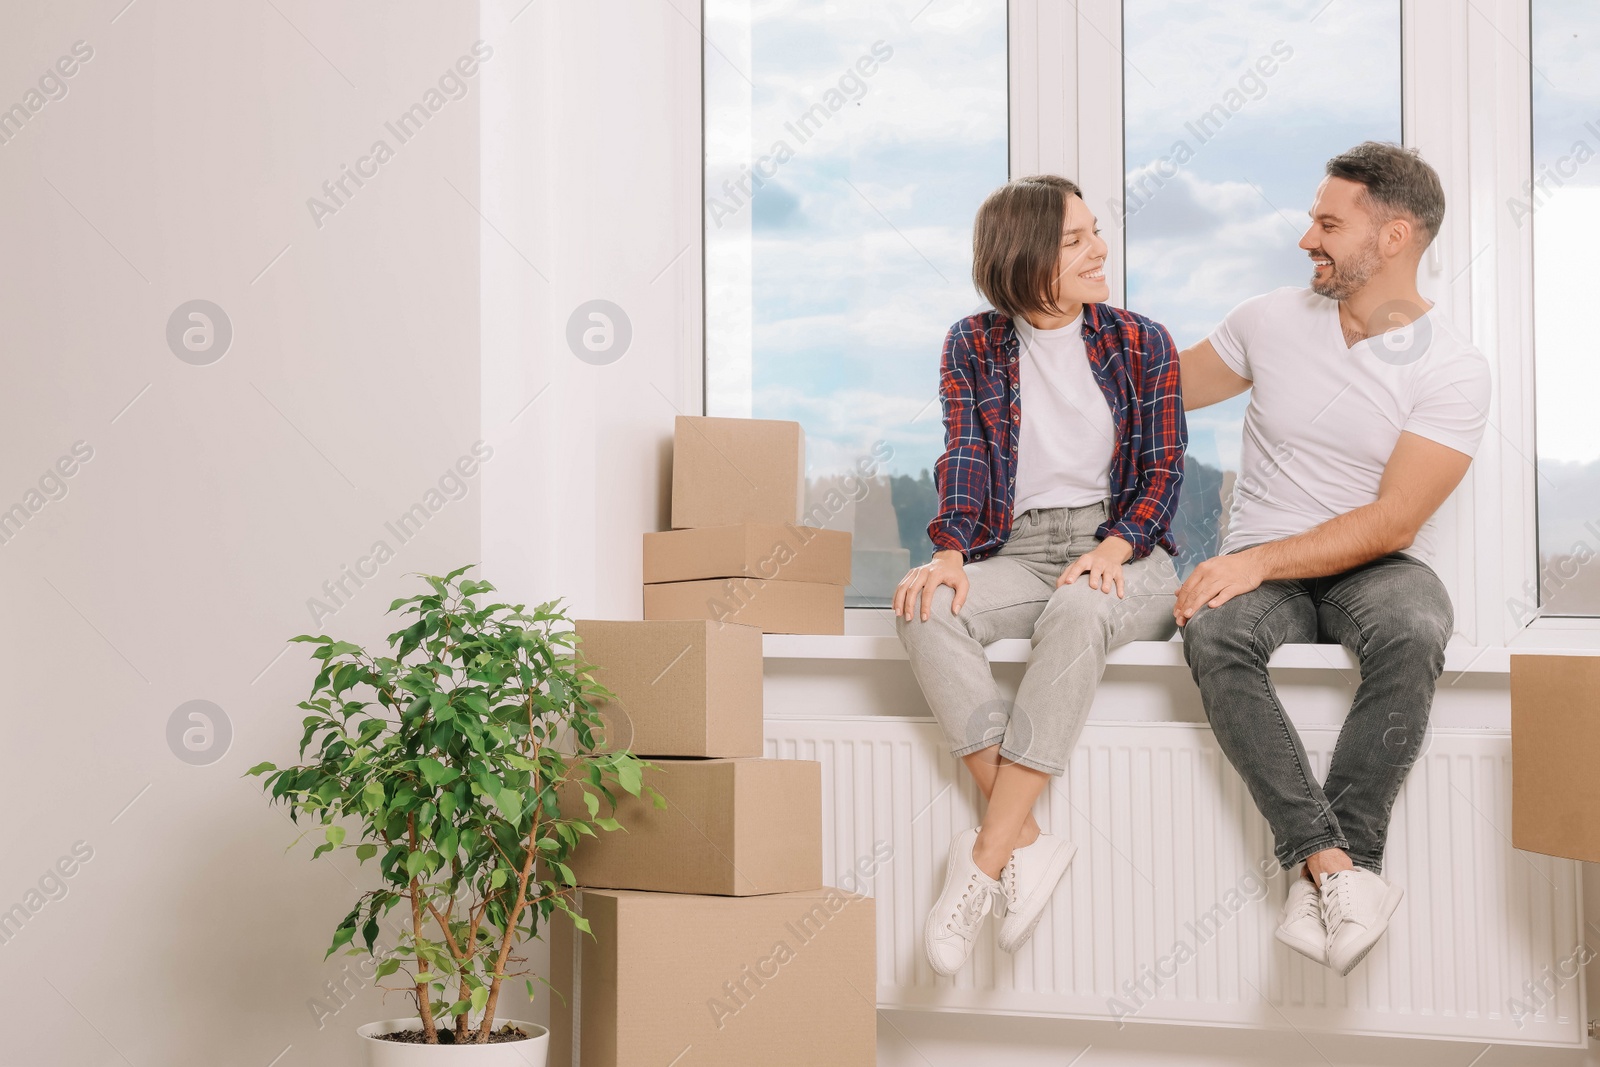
{"x": 1136, "y": 365}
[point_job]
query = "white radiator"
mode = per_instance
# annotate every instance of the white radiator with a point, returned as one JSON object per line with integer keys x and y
{"x": 1163, "y": 916}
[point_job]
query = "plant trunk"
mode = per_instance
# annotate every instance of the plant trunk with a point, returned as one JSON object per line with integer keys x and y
{"x": 506, "y": 938}
{"x": 424, "y": 1005}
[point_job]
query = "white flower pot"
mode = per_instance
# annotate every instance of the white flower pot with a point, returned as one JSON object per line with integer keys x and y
{"x": 380, "y": 1053}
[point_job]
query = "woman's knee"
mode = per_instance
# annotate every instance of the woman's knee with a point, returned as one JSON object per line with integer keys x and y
{"x": 938, "y": 606}
{"x": 1077, "y": 612}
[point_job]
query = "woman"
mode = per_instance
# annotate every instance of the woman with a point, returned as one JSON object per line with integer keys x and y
{"x": 1054, "y": 527}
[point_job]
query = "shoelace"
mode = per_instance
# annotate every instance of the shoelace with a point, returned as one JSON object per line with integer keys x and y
{"x": 1008, "y": 882}
{"x": 1310, "y": 907}
{"x": 973, "y": 899}
{"x": 1336, "y": 899}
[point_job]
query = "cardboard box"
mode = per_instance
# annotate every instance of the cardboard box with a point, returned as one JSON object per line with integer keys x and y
{"x": 1555, "y": 750}
{"x": 734, "y": 827}
{"x": 682, "y": 688}
{"x": 787, "y": 980}
{"x": 751, "y": 550}
{"x": 726, "y": 471}
{"x": 776, "y": 607}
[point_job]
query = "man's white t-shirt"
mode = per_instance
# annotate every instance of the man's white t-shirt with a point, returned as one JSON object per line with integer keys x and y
{"x": 1323, "y": 418}
{"x": 1064, "y": 450}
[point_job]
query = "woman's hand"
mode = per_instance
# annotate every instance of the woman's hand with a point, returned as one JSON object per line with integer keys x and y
{"x": 1103, "y": 565}
{"x": 920, "y": 582}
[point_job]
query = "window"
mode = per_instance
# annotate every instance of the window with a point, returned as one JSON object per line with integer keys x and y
{"x": 1230, "y": 112}
{"x": 848, "y": 146}
{"x": 1563, "y": 206}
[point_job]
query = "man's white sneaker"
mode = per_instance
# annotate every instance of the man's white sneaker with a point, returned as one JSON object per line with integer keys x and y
{"x": 1027, "y": 881}
{"x": 952, "y": 925}
{"x": 1356, "y": 905}
{"x": 1301, "y": 926}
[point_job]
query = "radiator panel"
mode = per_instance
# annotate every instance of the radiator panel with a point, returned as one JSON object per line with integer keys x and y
{"x": 1165, "y": 917}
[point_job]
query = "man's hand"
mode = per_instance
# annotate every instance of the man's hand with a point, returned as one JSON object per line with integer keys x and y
{"x": 1217, "y": 581}
{"x": 1103, "y": 565}
{"x": 920, "y": 583}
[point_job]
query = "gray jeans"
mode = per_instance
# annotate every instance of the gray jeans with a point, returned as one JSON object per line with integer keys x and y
{"x": 1395, "y": 616}
{"x": 1014, "y": 594}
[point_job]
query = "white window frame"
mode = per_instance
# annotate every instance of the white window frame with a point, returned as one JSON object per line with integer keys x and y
{"x": 1466, "y": 105}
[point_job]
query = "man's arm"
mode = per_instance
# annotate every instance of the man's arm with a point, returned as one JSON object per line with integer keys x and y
{"x": 1418, "y": 477}
{"x": 1207, "y": 379}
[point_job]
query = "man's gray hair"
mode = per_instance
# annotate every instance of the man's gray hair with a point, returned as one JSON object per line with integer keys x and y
{"x": 1397, "y": 181}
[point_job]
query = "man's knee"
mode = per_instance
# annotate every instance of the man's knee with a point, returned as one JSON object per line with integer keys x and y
{"x": 1214, "y": 631}
{"x": 1415, "y": 620}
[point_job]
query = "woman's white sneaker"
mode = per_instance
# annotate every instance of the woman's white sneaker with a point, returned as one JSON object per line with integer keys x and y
{"x": 1027, "y": 881}
{"x": 952, "y": 926}
{"x": 1301, "y": 925}
{"x": 1356, "y": 905}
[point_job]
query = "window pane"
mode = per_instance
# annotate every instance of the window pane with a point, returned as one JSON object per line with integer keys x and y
{"x": 1564, "y": 209}
{"x": 1231, "y": 109}
{"x": 874, "y": 130}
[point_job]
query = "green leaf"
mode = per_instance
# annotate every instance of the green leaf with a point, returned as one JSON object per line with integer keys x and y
{"x": 335, "y": 835}
{"x": 366, "y": 852}
{"x": 261, "y": 768}
{"x": 509, "y": 801}
{"x": 436, "y": 773}
{"x": 630, "y": 776}
{"x": 411, "y": 637}
{"x": 341, "y": 936}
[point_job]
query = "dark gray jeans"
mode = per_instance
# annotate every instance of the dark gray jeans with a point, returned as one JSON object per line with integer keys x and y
{"x": 1395, "y": 616}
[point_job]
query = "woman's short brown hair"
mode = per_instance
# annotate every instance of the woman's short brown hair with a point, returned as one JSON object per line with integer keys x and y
{"x": 1016, "y": 243}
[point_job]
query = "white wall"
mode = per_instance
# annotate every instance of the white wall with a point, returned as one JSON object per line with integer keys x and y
{"x": 177, "y": 167}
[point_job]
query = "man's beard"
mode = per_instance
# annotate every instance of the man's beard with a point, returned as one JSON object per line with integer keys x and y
{"x": 1346, "y": 279}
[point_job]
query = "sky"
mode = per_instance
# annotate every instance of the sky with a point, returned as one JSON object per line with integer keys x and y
{"x": 1566, "y": 144}
{"x": 1224, "y": 226}
{"x": 1566, "y": 129}
{"x": 833, "y": 290}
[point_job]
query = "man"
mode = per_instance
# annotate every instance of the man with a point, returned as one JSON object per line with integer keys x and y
{"x": 1365, "y": 410}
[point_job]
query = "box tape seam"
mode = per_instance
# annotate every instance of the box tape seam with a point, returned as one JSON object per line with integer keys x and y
{"x": 577, "y": 985}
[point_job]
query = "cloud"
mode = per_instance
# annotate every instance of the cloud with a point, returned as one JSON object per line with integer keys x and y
{"x": 1568, "y": 374}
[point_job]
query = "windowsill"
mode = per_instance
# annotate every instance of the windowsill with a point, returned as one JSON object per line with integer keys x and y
{"x": 1459, "y": 659}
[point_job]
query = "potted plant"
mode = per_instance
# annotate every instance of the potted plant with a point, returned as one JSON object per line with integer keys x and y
{"x": 441, "y": 764}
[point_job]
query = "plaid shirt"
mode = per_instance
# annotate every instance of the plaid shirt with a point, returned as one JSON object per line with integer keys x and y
{"x": 1136, "y": 365}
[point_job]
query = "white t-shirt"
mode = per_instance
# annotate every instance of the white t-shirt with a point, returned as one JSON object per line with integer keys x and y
{"x": 1064, "y": 451}
{"x": 1323, "y": 419}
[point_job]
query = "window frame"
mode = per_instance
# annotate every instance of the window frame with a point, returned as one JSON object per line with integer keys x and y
{"x": 1466, "y": 103}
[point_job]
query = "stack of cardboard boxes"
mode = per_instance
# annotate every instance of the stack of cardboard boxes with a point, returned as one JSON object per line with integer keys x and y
{"x": 714, "y": 940}
{"x": 737, "y": 551}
